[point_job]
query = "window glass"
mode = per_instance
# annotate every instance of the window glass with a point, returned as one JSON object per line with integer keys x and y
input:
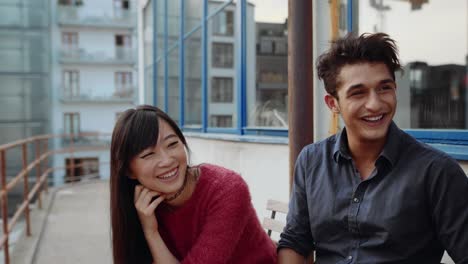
{"x": 222, "y": 74}
{"x": 267, "y": 64}
{"x": 432, "y": 40}
{"x": 192, "y": 75}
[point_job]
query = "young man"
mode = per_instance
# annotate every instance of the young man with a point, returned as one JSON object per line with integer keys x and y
{"x": 372, "y": 194}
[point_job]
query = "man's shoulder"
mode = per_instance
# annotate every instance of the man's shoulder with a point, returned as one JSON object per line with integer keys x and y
{"x": 320, "y": 149}
{"x": 425, "y": 153}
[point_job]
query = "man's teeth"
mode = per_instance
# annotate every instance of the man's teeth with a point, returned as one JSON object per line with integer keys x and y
{"x": 374, "y": 118}
{"x": 170, "y": 174}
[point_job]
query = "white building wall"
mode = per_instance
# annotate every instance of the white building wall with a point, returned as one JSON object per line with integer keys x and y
{"x": 265, "y": 167}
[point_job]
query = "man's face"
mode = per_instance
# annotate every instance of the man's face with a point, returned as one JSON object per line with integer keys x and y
{"x": 366, "y": 100}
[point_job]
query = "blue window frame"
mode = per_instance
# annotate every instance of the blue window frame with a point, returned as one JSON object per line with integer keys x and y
{"x": 454, "y": 142}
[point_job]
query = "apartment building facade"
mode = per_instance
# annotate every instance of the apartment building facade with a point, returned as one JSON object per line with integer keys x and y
{"x": 94, "y": 74}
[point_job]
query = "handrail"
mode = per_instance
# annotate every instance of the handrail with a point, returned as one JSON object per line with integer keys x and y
{"x": 40, "y": 163}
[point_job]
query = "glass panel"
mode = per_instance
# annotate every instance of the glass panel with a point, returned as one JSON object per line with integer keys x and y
{"x": 149, "y": 85}
{"x": 24, "y": 71}
{"x": 173, "y": 89}
{"x": 173, "y": 20}
{"x": 432, "y": 40}
{"x": 193, "y": 14}
{"x": 223, "y": 22}
{"x": 160, "y": 84}
{"x": 267, "y": 64}
{"x": 160, "y": 26}
{"x": 222, "y": 106}
{"x": 192, "y": 75}
{"x": 148, "y": 33}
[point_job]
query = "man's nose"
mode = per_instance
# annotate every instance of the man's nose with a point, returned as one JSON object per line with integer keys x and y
{"x": 373, "y": 102}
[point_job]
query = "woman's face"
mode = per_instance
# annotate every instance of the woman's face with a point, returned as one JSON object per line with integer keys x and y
{"x": 161, "y": 168}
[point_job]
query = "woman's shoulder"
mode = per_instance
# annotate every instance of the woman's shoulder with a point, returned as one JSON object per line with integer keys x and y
{"x": 221, "y": 177}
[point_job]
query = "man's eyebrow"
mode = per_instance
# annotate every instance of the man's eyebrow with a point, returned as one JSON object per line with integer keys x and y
{"x": 360, "y": 85}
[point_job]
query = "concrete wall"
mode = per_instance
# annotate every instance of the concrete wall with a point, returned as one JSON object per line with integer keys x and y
{"x": 265, "y": 167}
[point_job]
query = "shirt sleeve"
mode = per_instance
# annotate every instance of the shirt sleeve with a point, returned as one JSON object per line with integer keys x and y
{"x": 448, "y": 197}
{"x": 227, "y": 216}
{"x": 296, "y": 234}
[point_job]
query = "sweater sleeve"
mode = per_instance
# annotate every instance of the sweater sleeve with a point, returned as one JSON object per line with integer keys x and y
{"x": 227, "y": 216}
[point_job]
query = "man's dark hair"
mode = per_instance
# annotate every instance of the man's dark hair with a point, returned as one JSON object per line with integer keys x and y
{"x": 353, "y": 49}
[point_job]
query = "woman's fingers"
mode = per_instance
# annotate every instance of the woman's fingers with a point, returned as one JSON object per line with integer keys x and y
{"x": 143, "y": 197}
{"x": 152, "y": 206}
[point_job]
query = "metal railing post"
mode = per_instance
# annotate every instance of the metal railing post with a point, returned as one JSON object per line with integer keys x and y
{"x": 38, "y": 172}
{"x": 4, "y": 203}
{"x": 46, "y": 167}
{"x": 72, "y": 159}
{"x": 26, "y": 190}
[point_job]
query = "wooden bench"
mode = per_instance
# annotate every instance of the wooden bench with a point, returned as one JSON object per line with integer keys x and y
{"x": 271, "y": 224}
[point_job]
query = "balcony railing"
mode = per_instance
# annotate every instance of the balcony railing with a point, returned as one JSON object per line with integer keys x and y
{"x": 34, "y": 155}
{"x": 80, "y": 16}
{"x": 121, "y": 94}
{"x": 82, "y": 56}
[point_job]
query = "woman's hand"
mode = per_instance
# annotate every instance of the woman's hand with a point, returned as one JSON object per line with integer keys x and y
{"x": 145, "y": 206}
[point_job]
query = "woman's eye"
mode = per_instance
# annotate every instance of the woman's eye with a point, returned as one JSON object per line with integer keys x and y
{"x": 146, "y": 155}
{"x": 173, "y": 144}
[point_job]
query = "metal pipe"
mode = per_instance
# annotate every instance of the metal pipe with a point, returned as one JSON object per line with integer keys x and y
{"x": 4, "y": 204}
{"x": 300, "y": 79}
{"x": 26, "y": 190}
{"x": 38, "y": 171}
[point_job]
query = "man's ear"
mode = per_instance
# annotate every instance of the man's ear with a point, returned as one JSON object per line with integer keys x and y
{"x": 332, "y": 103}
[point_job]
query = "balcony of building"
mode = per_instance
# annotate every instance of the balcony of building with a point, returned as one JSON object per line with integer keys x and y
{"x": 121, "y": 94}
{"x": 77, "y": 55}
{"x": 79, "y": 16}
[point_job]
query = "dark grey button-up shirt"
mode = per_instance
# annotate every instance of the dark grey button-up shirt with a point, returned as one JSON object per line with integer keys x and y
{"x": 412, "y": 207}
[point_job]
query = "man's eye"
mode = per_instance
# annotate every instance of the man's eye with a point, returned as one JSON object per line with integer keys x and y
{"x": 146, "y": 155}
{"x": 356, "y": 93}
{"x": 387, "y": 87}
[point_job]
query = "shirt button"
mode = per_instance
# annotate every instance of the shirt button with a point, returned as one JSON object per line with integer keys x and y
{"x": 356, "y": 200}
{"x": 350, "y": 257}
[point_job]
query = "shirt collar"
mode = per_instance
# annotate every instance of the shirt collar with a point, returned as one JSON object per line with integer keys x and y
{"x": 340, "y": 149}
{"x": 390, "y": 151}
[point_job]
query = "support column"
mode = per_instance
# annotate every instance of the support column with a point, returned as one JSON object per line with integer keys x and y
{"x": 300, "y": 79}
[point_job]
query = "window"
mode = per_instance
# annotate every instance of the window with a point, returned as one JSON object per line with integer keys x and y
{"x": 71, "y": 123}
{"x": 221, "y": 90}
{"x": 71, "y": 83}
{"x": 123, "y": 84}
{"x": 432, "y": 92}
{"x": 121, "y": 7}
{"x": 223, "y": 24}
{"x": 221, "y": 121}
{"x": 123, "y": 46}
{"x": 81, "y": 167}
{"x": 223, "y": 55}
{"x": 70, "y": 44}
{"x": 71, "y": 2}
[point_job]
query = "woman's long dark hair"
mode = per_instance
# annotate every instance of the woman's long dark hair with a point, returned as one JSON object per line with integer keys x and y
{"x": 135, "y": 130}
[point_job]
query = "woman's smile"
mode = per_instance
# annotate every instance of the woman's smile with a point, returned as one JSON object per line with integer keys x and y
{"x": 169, "y": 176}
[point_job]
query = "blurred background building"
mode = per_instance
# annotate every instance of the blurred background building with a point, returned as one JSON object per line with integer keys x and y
{"x": 93, "y": 72}
{"x": 25, "y": 86}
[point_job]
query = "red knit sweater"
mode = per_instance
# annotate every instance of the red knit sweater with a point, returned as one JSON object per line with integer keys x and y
{"x": 218, "y": 224}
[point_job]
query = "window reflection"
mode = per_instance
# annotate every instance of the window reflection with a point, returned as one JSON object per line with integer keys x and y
{"x": 432, "y": 39}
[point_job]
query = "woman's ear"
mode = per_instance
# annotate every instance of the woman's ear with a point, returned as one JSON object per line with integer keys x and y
{"x": 332, "y": 103}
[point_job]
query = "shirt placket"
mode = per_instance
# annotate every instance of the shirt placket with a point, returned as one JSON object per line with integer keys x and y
{"x": 353, "y": 212}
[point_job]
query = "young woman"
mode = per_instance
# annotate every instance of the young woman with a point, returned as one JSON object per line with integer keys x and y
{"x": 165, "y": 211}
